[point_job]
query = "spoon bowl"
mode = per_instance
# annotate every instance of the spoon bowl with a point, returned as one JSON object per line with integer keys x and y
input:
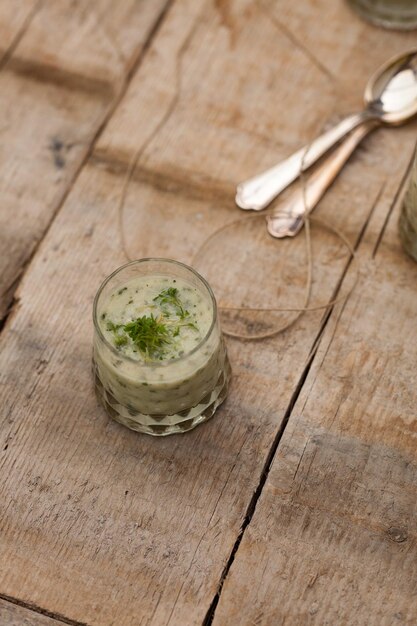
{"x": 390, "y": 98}
{"x": 391, "y": 93}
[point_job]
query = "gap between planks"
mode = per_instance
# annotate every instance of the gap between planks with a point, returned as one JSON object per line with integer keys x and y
{"x": 397, "y": 196}
{"x": 209, "y": 617}
{"x": 40, "y": 611}
{"x": 3, "y": 322}
{"x": 272, "y": 451}
{"x": 106, "y": 118}
{"x": 8, "y": 53}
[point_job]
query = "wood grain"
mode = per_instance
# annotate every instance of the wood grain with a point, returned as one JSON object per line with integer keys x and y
{"x": 86, "y": 45}
{"x": 14, "y": 18}
{"x": 52, "y": 109}
{"x": 237, "y": 111}
{"x": 128, "y": 526}
{"x": 102, "y": 525}
{"x": 15, "y": 615}
{"x": 333, "y": 538}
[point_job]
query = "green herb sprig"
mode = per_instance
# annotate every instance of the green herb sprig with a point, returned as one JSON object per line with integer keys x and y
{"x": 119, "y": 339}
{"x": 150, "y": 334}
{"x": 170, "y": 297}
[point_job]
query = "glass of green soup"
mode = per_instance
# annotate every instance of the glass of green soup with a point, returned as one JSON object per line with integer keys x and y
{"x": 159, "y": 358}
{"x": 401, "y": 14}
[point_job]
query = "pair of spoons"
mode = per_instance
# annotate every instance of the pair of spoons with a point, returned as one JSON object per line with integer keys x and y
{"x": 390, "y": 99}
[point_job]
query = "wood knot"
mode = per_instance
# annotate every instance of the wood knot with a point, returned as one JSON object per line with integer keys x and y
{"x": 313, "y": 608}
{"x": 59, "y": 152}
{"x": 397, "y": 534}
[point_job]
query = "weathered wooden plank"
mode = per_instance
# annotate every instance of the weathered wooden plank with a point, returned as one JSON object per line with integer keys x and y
{"x": 333, "y": 538}
{"x": 224, "y": 89}
{"x": 126, "y": 525}
{"x": 119, "y": 528}
{"x": 90, "y": 45}
{"x": 74, "y": 65}
{"x": 15, "y": 615}
{"x": 14, "y": 17}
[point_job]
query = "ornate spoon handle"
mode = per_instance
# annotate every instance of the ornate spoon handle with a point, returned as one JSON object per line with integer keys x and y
{"x": 256, "y": 193}
{"x": 289, "y": 217}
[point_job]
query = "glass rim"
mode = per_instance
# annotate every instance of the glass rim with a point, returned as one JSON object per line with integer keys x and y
{"x": 154, "y": 363}
{"x": 387, "y": 17}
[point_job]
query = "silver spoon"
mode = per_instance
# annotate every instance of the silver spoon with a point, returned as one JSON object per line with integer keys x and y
{"x": 288, "y": 218}
{"x": 390, "y": 98}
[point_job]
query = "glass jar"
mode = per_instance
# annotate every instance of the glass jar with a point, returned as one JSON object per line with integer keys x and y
{"x": 407, "y": 224}
{"x": 164, "y": 396}
{"x": 401, "y": 14}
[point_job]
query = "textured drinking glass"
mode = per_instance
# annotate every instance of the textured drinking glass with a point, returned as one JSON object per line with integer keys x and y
{"x": 400, "y": 14}
{"x": 168, "y": 396}
{"x": 407, "y": 224}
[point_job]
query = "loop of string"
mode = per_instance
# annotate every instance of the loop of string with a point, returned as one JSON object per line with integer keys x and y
{"x": 305, "y": 308}
{"x": 299, "y": 311}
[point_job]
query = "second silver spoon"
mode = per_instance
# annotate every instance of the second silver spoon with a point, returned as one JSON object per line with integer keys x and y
{"x": 390, "y": 98}
{"x": 288, "y": 219}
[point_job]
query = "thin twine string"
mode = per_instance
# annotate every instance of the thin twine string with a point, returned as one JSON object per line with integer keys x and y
{"x": 305, "y": 308}
{"x": 308, "y": 239}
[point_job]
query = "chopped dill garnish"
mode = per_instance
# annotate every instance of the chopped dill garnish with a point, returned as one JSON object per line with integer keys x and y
{"x": 156, "y": 337}
{"x": 149, "y": 334}
{"x": 119, "y": 339}
{"x": 170, "y": 297}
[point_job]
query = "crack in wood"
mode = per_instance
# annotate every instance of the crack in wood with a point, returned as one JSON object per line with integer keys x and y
{"x": 393, "y": 204}
{"x": 253, "y": 503}
{"x": 93, "y": 140}
{"x": 336, "y": 290}
{"x": 7, "y": 54}
{"x": 208, "y": 527}
{"x": 208, "y": 619}
{"x": 11, "y": 308}
{"x": 301, "y": 457}
{"x": 338, "y": 286}
{"x": 10, "y": 298}
{"x": 41, "y": 611}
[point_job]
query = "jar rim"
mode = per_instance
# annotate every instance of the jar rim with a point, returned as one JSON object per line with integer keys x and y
{"x": 154, "y": 363}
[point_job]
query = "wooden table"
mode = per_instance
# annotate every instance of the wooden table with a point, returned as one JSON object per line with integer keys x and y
{"x": 296, "y": 504}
